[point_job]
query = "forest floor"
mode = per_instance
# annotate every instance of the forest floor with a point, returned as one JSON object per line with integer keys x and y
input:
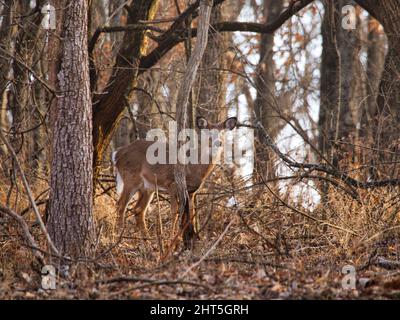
{"x": 263, "y": 249}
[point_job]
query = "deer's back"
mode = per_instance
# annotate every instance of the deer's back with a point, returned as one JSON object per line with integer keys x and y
{"x": 131, "y": 162}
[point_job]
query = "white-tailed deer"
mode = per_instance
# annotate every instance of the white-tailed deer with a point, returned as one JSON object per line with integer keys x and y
{"x": 134, "y": 174}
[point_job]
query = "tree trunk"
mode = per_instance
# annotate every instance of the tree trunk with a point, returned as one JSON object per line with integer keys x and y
{"x": 376, "y": 59}
{"x": 339, "y": 87}
{"x": 22, "y": 45}
{"x": 387, "y": 13}
{"x": 211, "y": 78}
{"x": 5, "y": 35}
{"x": 376, "y": 51}
{"x": 265, "y": 84}
{"x": 181, "y": 117}
{"x": 70, "y": 222}
{"x": 340, "y": 92}
{"x": 387, "y": 118}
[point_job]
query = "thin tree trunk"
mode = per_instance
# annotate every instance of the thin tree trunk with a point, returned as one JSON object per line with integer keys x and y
{"x": 265, "y": 85}
{"x": 211, "y": 79}
{"x": 376, "y": 59}
{"x": 25, "y": 44}
{"x": 340, "y": 98}
{"x": 5, "y": 36}
{"x": 376, "y": 51}
{"x": 339, "y": 87}
{"x": 181, "y": 116}
{"x": 70, "y": 221}
{"x": 386, "y": 129}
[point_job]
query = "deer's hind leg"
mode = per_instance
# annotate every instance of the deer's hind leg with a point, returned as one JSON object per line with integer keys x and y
{"x": 122, "y": 203}
{"x": 145, "y": 197}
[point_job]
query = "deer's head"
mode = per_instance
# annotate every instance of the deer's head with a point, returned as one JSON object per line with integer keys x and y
{"x": 214, "y": 133}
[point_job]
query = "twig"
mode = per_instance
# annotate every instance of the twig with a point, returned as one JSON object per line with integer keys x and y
{"x": 129, "y": 27}
{"x": 29, "y": 193}
{"x": 269, "y": 243}
{"x": 244, "y": 261}
{"x": 38, "y": 203}
{"x": 321, "y": 167}
{"x": 212, "y": 248}
{"x": 24, "y": 65}
{"x": 27, "y": 235}
{"x": 322, "y": 222}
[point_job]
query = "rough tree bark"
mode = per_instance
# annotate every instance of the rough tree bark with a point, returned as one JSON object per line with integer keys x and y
{"x": 181, "y": 117}
{"x": 70, "y": 222}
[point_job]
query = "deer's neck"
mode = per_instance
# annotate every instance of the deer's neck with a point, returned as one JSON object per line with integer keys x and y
{"x": 210, "y": 153}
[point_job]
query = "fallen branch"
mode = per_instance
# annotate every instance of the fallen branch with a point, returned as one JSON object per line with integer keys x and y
{"x": 386, "y": 264}
{"x": 250, "y": 262}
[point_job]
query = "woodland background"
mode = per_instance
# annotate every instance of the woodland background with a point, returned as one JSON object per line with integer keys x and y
{"x": 324, "y": 190}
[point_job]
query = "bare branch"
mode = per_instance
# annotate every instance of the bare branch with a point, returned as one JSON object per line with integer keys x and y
{"x": 29, "y": 193}
{"x": 323, "y": 168}
{"x": 176, "y": 33}
{"x": 129, "y": 27}
{"x": 27, "y": 235}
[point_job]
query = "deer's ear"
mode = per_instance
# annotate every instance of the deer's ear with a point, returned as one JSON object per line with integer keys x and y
{"x": 201, "y": 123}
{"x": 230, "y": 123}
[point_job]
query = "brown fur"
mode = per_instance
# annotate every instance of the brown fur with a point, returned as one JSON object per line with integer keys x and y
{"x": 143, "y": 178}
